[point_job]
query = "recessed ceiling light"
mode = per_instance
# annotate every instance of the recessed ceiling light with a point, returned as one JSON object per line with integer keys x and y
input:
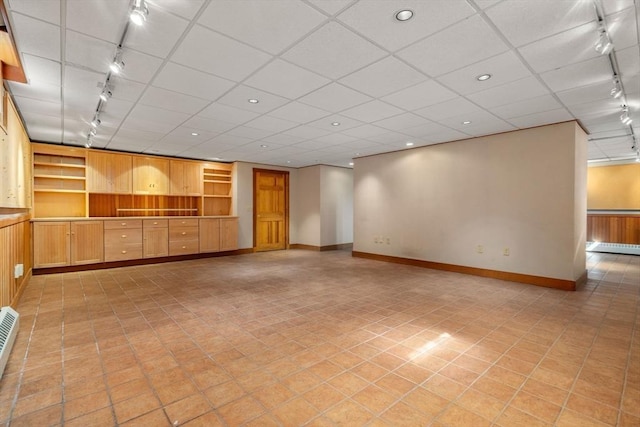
{"x": 263, "y": 146}
{"x": 350, "y": 163}
{"x": 194, "y": 134}
{"x": 288, "y": 161}
{"x": 466, "y": 122}
{"x": 483, "y": 77}
{"x": 409, "y": 144}
{"x": 404, "y": 15}
{"x": 253, "y": 101}
{"x": 335, "y": 124}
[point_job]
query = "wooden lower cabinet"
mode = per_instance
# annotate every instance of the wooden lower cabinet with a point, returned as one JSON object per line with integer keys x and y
{"x": 122, "y": 240}
{"x": 62, "y": 243}
{"x": 155, "y": 238}
{"x": 228, "y": 234}
{"x": 87, "y": 242}
{"x": 210, "y": 235}
{"x": 183, "y": 237}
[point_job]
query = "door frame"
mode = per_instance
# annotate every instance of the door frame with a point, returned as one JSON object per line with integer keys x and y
{"x": 256, "y": 171}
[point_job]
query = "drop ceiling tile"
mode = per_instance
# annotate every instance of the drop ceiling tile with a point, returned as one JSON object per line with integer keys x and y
{"x": 482, "y": 122}
{"x": 36, "y": 37}
{"x": 184, "y": 9}
{"x": 191, "y": 82}
{"x": 424, "y": 130}
{"x": 504, "y": 68}
{"x": 568, "y": 47}
{"x": 402, "y": 121}
{"x": 601, "y": 106}
{"x": 249, "y": 132}
{"x": 421, "y": 95}
{"x": 383, "y": 77}
{"x": 172, "y": 101}
{"x": 542, "y": 118}
{"x": 306, "y": 132}
{"x": 528, "y": 106}
{"x": 461, "y": 44}
{"x": 43, "y": 122}
{"x": 390, "y": 138}
{"x": 298, "y": 112}
{"x": 629, "y": 60}
{"x": 239, "y": 97}
{"x": 331, "y": 7}
{"x": 159, "y": 35}
{"x": 47, "y": 11}
{"x": 623, "y": 29}
{"x": 286, "y": 80}
{"x": 41, "y": 133}
{"x": 89, "y": 52}
{"x": 113, "y": 113}
{"x": 519, "y": 90}
{"x": 576, "y": 75}
{"x": 133, "y": 123}
{"x": 139, "y": 67}
{"x": 613, "y": 6}
{"x": 109, "y": 17}
{"x": 214, "y": 53}
{"x": 584, "y": 94}
{"x": 271, "y": 26}
{"x": 534, "y": 20}
{"x": 361, "y": 146}
{"x": 209, "y": 125}
{"x": 158, "y": 115}
{"x": 484, "y": 4}
{"x": 184, "y": 135}
{"x": 365, "y": 131}
{"x": 631, "y": 84}
{"x": 446, "y": 136}
{"x": 229, "y": 141}
{"x": 376, "y": 19}
{"x": 41, "y": 70}
{"x": 82, "y": 87}
{"x": 36, "y": 106}
{"x": 311, "y": 145}
{"x": 335, "y": 138}
{"x": 334, "y": 97}
{"x": 333, "y": 51}
{"x": 126, "y": 90}
{"x": 271, "y": 123}
{"x": 227, "y": 113}
{"x": 326, "y": 123}
{"x": 372, "y": 111}
{"x": 283, "y": 139}
{"x": 446, "y": 109}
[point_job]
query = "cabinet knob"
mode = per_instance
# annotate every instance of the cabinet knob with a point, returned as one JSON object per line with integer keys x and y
{"x": 124, "y": 236}
{"x": 155, "y": 223}
{"x": 123, "y": 224}
{"x": 183, "y": 222}
{"x": 184, "y": 247}
{"x": 184, "y": 233}
{"x": 124, "y": 252}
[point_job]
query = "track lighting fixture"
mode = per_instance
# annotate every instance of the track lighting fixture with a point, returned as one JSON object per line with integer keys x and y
{"x": 139, "y": 13}
{"x": 93, "y": 132}
{"x": 624, "y": 117}
{"x": 118, "y": 64}
{"x": 616, "y": 91}
{"x": 106, "y": 94}
{"x": 96, "y": 120}
{"x": 603, "y": 46}
{"x": 89, "y": 141}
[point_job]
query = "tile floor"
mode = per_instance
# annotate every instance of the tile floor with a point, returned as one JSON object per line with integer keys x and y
{"x": 304, "y": 338}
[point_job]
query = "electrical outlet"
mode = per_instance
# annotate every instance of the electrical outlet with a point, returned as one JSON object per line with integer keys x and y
{"x": 506, "y": 252}
{"x": 480, "y": 249}
{"x": 18, "y": 270}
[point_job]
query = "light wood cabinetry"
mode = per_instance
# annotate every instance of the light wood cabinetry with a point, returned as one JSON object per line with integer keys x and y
{"x": 155, "y": 238}
{"x": 109, "y": 173}
{"x": 122, "y": 240}
{"x": 185, "y": 178}
{"x": 59, "y": 181}
{"x": 228, "y": 234}
{"x": 87, "y": 242}
{"x": 209, "y": 234}
{"x": 183, "y": 236}
{"x": 15, "y": 158}
{"x": 150, "y": 175}
{"x": 217, "y": 189}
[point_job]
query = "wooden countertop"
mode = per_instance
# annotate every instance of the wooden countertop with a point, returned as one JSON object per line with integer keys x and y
{"x": 13, "y": 216}
{"x": 119, "y": 218}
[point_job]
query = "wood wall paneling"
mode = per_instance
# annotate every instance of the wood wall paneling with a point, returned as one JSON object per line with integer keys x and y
{"x": 613, "y": 228}
{"x": 15, "y": 242}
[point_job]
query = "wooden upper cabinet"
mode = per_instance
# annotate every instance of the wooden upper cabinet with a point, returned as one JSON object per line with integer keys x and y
{"x": 109, "y": 173}
{"x": 150, "y": 175}
{"x": 185, "y": 178}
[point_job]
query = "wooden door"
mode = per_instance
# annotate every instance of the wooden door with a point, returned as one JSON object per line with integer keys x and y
{"x": 51, "y": 244}
{"x": 271, "y": 209}
{"x": 87, "y": 242}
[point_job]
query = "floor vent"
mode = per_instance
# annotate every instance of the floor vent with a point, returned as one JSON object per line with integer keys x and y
{"x": 8, "y": 331}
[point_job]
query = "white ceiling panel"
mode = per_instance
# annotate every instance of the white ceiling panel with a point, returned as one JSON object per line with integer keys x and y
{"x": 109, "y": 17}
{"x": 42, "y": 70}
{"x": 623, "y": 28}
{"x": 345, "y": 123}
{"x": 239, "y": 98}
{"x": 519, "y": 90}
{"x": 390, "y": 138}
{"x": 185, "y": 135}
{"x": 228, "y": 114}
{"x": 271, "y": 124}
{"x": 45, "y": 10}
{"x": 504, "y": 68}
{"x": 306, "y": 132}
{"x": 545, "y": 117}
{"x": 402, "y": 121}
{"x": 335, "y": 139}
{"x": 159, "y": 35}
{"x": 36, "y": 37}
{"x": 420, "y": 95}
{"x": 372, "y": 111}
{"x": 191, "y": 82}
{"x": 525, "y": 21}
{"x": 383, "y": 77}
{"x": 184, "y": 9}
{"x": 139, "y": 67}
{"x": 43, "y": 108}
{"x": 462, "y": 44}
{"x": 78, "y": 83}
{"x": 173, "y": 101}
{"x": 89, "y": 52}
{"x": 229, "y": 141}
{"x": 249, "y": 132}
{"x": 612, "y": 6}
{"x": 331, "y": 7}
{"x": 209, "y": 125}
{"x": 480, "y": 122}
{"x": 424, "y": 130}
{"x": 266, "y": 25}
{"x": 286, "y": 79}
{"x": 333, "y": 51}
{"x": 126, "y": 90}
{"x": 376, "y": 19}
{"x": 298, "y": 112}
{"x": 450, "y": 108}
{"x": 214, "y": 53}
{"x": 599, "y": 107}
{"x": 158, "y": 115}
{"x": 576, "y": 75}
{"x": 334, "y": 97}
{"x": 283, "y": 139}
{"x": 365, "y": 131}
{"x": 589, "y": 93}
{"x": 629, "y": 61}
{"x": 528, "y": 106}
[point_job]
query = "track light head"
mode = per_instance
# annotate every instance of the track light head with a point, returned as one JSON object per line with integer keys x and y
{"x": 106, "y": 94}
{"x": 624, "y": 117}
{"x": 603, "y": 46}
{"x": 139, "y": 13}
{"x": 118, "y": 64}
{"x": 616, "y": 90}
{"x": 93, "y": 132}
{"x": 96, "y": 121}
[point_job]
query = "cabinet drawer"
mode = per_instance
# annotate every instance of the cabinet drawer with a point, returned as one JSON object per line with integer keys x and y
{"x": 181, "y": 234}
{"x": 111, "y": 225}
{"x": 155, "y": 223}
{"x": 123, "y": 252}
{"x": 184, "y": 247}
{"x": 189, "y": 222}
{"x": 122, "y": 236}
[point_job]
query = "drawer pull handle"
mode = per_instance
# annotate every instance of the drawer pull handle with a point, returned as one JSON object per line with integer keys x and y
{"x": 184, "y": 233}
{"x": 183, "y": 222}
{"x": 184, "y": 247}
{"x": 155, "y": 223}
{"x": 124, "y": 236}
{"x": 124, "y": 252}
{"x": 123, "y": 224}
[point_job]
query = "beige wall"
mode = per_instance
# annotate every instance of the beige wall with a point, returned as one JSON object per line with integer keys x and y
{"x": 15, "y": 162}
{"x": 308, "y": 221}
{"x": 614, "y": 187}
{"x": 519, "y": 190}
{"x": 336, "y": 205}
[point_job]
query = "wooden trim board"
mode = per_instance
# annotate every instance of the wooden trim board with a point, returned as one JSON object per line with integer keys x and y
{"x": 340, "y": 247}
{"x": 547, "y": 282}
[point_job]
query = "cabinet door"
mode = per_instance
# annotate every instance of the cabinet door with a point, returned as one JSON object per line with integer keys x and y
{"x": 121, "y": 165}
{"x": 51, "y": 244}
{"x": 228, "y": 234}
{"x": 185, "y": 178}
{"x": 98, "y": 172}
{"x": 150, "y": 175}
{"x": 155, "y": 242}
{"x": 87, "y": 242}
{"x": 209, "y": 235}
